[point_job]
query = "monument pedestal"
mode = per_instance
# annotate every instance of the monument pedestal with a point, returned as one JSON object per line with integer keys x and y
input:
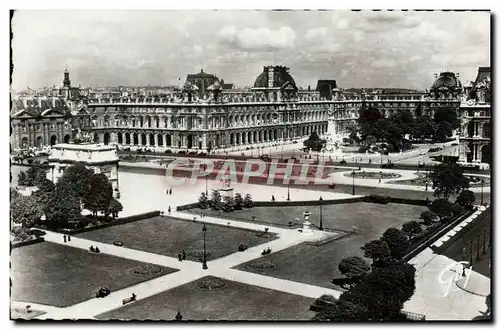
{"x": 306, "y": 228}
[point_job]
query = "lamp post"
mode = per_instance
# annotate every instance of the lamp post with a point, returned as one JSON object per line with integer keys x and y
{"x": 320, "y": 213}
{"x": 482, "y": 192}
{"x": 470, "y": 254}
{"x": 204, "y": 247}
{"x": 206, "y": 180}
{"x": 288, "y": 191}
{"x": 353, "y": 187}
{"x": 484, "y": 242}
{"x": 477, "y": 248}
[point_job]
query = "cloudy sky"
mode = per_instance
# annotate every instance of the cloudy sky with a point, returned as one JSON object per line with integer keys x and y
{"x": 358, "y": 49}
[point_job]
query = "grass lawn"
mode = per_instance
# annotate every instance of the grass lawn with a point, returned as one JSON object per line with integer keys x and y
{"x": 57, "y": 275}
{"x": 234, "y": 301}
{"x": 318, "y": 265}
{"x": 367, "y": 217}
{"x": 456, "y": 251}
{"x": 22, "y": 314}
{"x": 168, "y": 236}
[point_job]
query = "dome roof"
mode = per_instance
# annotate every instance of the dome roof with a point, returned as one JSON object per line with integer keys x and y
{"x": 447, "y": 80}
{"x": 281, "y": 76}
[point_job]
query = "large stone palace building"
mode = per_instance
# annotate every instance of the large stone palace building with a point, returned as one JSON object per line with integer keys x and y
{"x": 475, "y": 117}
{"x": 204, "y": 115}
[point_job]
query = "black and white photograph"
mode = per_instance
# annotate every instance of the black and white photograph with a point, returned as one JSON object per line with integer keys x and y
{"x": 250, "y": 165}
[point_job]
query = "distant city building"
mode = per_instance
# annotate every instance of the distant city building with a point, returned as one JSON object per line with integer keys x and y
{"x": 475, "y": 121}
{"x": 46, "y": 118}
{"x": 97, "y": 157}
{"x": 202, "y": 81}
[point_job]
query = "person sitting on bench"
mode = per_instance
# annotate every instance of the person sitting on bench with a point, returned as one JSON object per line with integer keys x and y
{"x": 133, "y": 297}
{"x": 97, "y": 250}
{"x": 92, "y": 249}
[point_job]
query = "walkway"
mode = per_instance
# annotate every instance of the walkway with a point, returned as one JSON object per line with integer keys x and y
{"x": 188, "y": 271}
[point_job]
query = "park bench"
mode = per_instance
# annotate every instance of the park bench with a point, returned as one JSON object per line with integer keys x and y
{"x": 118, "y": 243}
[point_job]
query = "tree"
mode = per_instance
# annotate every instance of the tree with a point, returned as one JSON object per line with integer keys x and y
{"x": 248, "y": 202}
{"x": 443, "y": 131}
{"x": 216, "y": 201}
{"x": 228, "y": 204}
{"x": 44, "y": 192}
{"x": 369, "y": 121}
{"x": 98, "y": 195}
{"x": 238, "y": 201}
{"x": 376, "y": 249}
{"x": 342, "y": 310}
{"x": 354, "y": 267}
{"x": 314, "y": 142}
{"x": 63, "y": 206}
{"x": 203, "y": 201}
{"x": 466, "y": 198}
{"x": 441, "y": 207}
{"x": 425, "y": 128}
{"x": 115, "y": 207}
{"x": 412, "y": 228}
{"x": 448, "y": 179}
{"x": 448, "y": 115}
{"x": 13, "y": 194}
{"x": 25, "y": 210}
{"x": 428, "y": 217}
{"x": 76, "y": 177}
{"x": 21, "y": 179}
{"x": 397, "y": 241}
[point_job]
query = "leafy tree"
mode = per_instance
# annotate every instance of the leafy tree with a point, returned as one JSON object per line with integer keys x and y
{"x": 428, "y": 217}
{"x": 412, "y": 228}
{"x": 342, "y": 310}
{"x": 448, "y": 179}
{"x": 13, "y": 194}
{"x": 376, "y": 250}
{"x": 397, "y": 241}
{"x": 425, "y": 128}
{"x": 76, "y": 177}
{"x": 443, "y": 131}
{"x": 216, "y": 201}
{"x": 25, "y": 210}
{"x": 457, "y": 209}
{"x": 248, "y": 202}
{"x": 369, "y": 121}
{"x": 114, "y": 207}
{"x": 354, "y": 267}
{"x": 441, "y": 207}
{"x": 448, "y": 115}
{"x": 44, "y": 192}
{"x": 203, "y": 201}
{"x": 21, "y": 178}
{"x": 466, "y": 198}
{"x": 63, "y": 206}
{"x": 228, "y": 204}
{"x": 314, "y": 142}
{"x": 238, "y": 201}
{"x": 98, "y": 195}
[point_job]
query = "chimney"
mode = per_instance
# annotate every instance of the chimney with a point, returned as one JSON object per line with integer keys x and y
{"x": 270, "y": 77}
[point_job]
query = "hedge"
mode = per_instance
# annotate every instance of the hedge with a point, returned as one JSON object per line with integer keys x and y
{"x": 26, "y": 243}
{"x": 119, "y": 221}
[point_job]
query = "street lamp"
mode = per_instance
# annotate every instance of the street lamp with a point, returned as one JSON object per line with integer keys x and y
{"x": 484, "y": 242}
{"x": 288, "y": 196}
{"x": 204, "y": 247}
{"x": 482, "y": 192}
{"x": 353, "y": 187}
{"x": 477, "y": 248}
{"x": 206, "y": 180}
{"x": 320, "y": 213}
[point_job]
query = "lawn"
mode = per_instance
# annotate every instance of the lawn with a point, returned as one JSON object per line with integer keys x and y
{"x": 23, "y": 314}
{"x": 57, "y": 275}
{"x": 367, "y": 217}
{"x": 168, "y": 236}
{"x": 233, "y": 301}
{"x": 317, "y": 265}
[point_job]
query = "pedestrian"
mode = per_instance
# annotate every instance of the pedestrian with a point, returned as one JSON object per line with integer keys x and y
{"x": 64, "y": 237}
{"x": 92, "y": 249}
{"x": 170, "y": 190}
{"x": 179, "y": 256}
{"x": 183, "y": 255}
{"x": 272, "y": 198}
{"x": 69, "y": 238}
{"x": 169, "y": 210}
{"x": 194, "y": 218}
{"x": 379, "y": 180}
{"x": 97, "y": 250}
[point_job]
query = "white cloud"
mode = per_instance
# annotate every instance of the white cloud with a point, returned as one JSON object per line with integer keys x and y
{"x": 316, "y": 34}
{"x": 384, "y": 63}
{"x": 258, "y": 38}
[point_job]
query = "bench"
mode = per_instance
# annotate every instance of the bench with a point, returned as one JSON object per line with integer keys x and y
{"x": 118, "y": 243}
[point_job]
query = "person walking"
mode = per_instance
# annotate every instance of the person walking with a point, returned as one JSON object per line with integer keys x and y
{"x": 170, "y": 190}
{"x": 179, "y": 256}
{"x": 69, "y": 238}
{"x": 183, "y": 255}
{"x": 169, "y": 210}
{"x": 64, "y": 237}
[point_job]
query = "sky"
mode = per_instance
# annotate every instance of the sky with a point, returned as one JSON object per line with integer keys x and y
{"x": 138, "y": 48}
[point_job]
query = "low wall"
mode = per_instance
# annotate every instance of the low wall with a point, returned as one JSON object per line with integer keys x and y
{"x": 436, "y": 236}
{"x": 26, "y": 243}
{"x": 120, "y": 221}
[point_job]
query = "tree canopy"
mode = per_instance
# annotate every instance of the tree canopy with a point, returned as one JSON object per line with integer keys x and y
{"x": 99, "y": 194}
{"x": 397, "y": 241}
{"x": 25, "y": 210}
{"x": 448, "y": 179}
{"x": 376, "y": 249}
{"x": 354, "y": 267}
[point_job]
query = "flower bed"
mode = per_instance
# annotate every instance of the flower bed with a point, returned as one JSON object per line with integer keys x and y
{"x": 262, "y": 265}
{"x": 211, "y": 283}
{"x": 373, "y": 175}
{"x": 148, "y": 270}
{"x": 474, "y": 181}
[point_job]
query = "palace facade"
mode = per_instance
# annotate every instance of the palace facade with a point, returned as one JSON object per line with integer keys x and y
{"x": 207, "y": 115}
{"x": 475, "y": 121}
